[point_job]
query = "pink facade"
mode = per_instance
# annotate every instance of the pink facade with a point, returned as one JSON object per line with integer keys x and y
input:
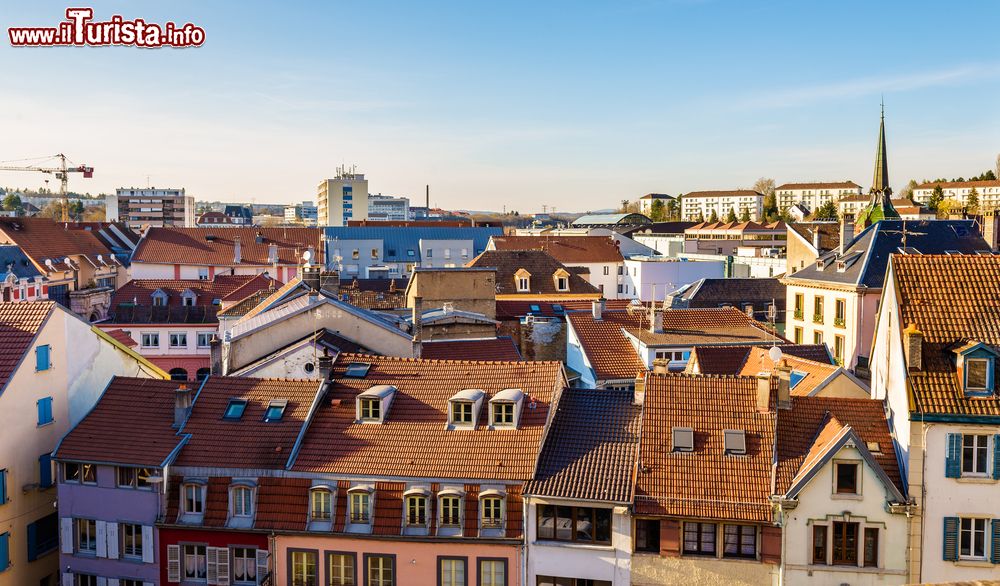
{"x": 415, "y": 562}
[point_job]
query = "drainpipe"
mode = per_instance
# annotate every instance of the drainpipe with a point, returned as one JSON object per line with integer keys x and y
{"x": 923, "y": 493}
{"x": 784, "y": 537}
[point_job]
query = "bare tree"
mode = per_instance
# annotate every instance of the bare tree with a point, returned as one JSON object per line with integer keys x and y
{"x": 998, "y": 167}
{"x": 764, "y": 185}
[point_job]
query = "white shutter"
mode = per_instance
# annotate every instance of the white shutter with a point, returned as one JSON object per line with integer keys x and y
{"x": 112, "y": 531}
{"x": 67, "y": 539}
{"x": 262, "y": 566}
{"x": 67, "y": 579}
{"x": 173, "y": 563}
{"x": 102, "y": 581}
{"x": 148, "y": 547}
{"x": 212, "y": 558}
{"x": 102, "y": 539}
{"x": 113, "y": 582}
{"x": 222, "y": 567}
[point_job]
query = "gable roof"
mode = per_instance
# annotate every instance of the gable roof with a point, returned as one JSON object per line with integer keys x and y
{"x": 14, "y": 261}
{"x": 814, "y": 374}
{"x": 499, "y": 348}
{"x": 140, "y": 410}
{"x": 829, "y": 234}
{"x": 761, "y": 292}
{"x": 705, "y": 326}
{"x": 19, "y": 324}
{"x": 733, "y": 359}
{"x": 566, "y": 249}
{"x": 326, "y": 341}
{"x": 43, "y": 239}
{"x": 140, "y": 291}
{"x": 216, "y": 246}
{"x": 516, "y": 308}
{"x": 591, "y": 450}
{"x": 705, "y": 483}
{"x": 413, "y": 440}
{"x": 952, "y": 299}
{"x": 540, "y": 264}
{"x": 833, "y": 185}
{"x": 608, "y": 351}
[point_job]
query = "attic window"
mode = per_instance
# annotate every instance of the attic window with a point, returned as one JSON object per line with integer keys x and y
{"x": 461, "y": 412}
{"x": 977, "y": 374}
{"x": 159, "y": 298}
{"x": 557, "y": 308}
{"x": 682, "y": 439}
{"x": 735, "y": 442}
{"x": 275, "y": 409}
{"x": 464, "y": 408}
{"x": 524, "y": 284}
{"x": 535, "y": 308}
{"x": 235, "y": 409}
{"x": 795, "y": 378}
{"x": 357, "y": 369}
{"x": 562, "y": 283}
{"x": 371, "y": 410}
{"x": 505, "y": 408}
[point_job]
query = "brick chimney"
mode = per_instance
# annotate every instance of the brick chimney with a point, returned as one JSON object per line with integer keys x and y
{"x": 846, "y": 232}
{"x": 237, "y": 251}
{"x": 182, "y": 405}
{"x": 639, "y": 395}
{"x": 418, "y": 311}
{"x": 784, "y": 376}
{"x": 913, "y": 346}
{"x": 991, "y": 229}
{"x": 763, "y": 392}
{"x": 597, "y": 309}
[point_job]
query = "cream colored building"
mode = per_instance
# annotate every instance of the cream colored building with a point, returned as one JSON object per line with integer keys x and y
{"x": 701, "y": 204}
{"x": 814, "y": 195}
{"x": 342, "y": 199}
{"x": 65, "y": 364}
{"x": 987, "y": 191}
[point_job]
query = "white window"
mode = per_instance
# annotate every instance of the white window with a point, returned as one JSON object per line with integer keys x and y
{"x": 975, "y": 453}
{"x": 562, "y": 283}
{"x": 371, "y": 409}
{"x": 430, "y": 253}
{"x": 503, "y": 413}
{"x": 131, "y": 541}
{"x": 523, "y": 284}
{"x": 447, "y": 253}
{"x": 204, "y": 339}
{"x": 194, "y": 499}
{"x": 669, "y": 355}
{"x": 465, "y": 253}
{"x": 242, "y": 501}
{"x": 972, "y": 539}
{"x": 203, "y": 273}
{"x": 492, "y": 508}
{"x": 461, "y": 412}
{"x": 178, "y": 340}
{"x": 321, "y": 504}
{"x": 244, "y": 565}
{"x": 360, "y": 503}
{"x": 607, "y": 270}
{"x": 86, "y": 536}
{"x": 452, "y": 571}
{"x": 416, "y": 510}
{"x": 195, "y": 563}
{"x": 151, "y": 340}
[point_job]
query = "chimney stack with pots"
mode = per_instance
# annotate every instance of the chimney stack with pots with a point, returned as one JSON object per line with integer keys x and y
{"x": 237, "y": 251}
{"x": 846, "y": 232}
{"x": 991, "y": 229}
{"x": 763, "y": 392}
{"x": 418, "y": 311}
{"x": 784, "y": 375}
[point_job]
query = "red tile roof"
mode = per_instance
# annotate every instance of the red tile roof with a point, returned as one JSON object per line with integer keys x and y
{"x": 282, "y": 504}
{"x": 42, "y": 238}
{"x": 122, "y": 337}
{"x": 610, "y": 354}
{"x": 249, "y": 442}
{"x": 215, "y": 246}
{"x": 733, "y": 359}
{"x": 19, "y": 323}
{"x": 566, "y": 249}
{"x": 141, "y": 291}
{"x": 501, "y": 348}
{"x": 705, "y": 483}
{"x": 413, "y": 440}
{"x": 814, "y": 373}
{"x": 131, "y": 424}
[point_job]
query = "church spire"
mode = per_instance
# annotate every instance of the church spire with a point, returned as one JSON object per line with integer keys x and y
{"x": 880, "y": 181}
{"x": 880, "y": 202}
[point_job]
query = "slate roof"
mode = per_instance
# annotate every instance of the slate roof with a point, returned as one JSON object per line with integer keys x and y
{"x": 705, "y": 483}
{"x": 868, "y": 255}
{"x": 591, "y": 450}
{"x": 151, "y": 314}
{"x": 499, "y": 348}
{"x": 832, "y": 185}
{"x": 952, "y": 300}
{"x": 249, "y": 442}
{"x": 704, "y": 326}
{"x": 540, "y": 264}
{"x": 13, "y": 260}
{"x": 216, "y": 246}
{"x": 733, "y": 359}
{"x": 140, "y": 410}
{"x": 43, "y": 239}
{"x": 413, "y": 440}
{"x": 19, "y": 324}
{"x": 629, "y": 219}
{"x": 397, "y": 241}
{"x": 565, "y": 249}
{"x": 760, "y": 292}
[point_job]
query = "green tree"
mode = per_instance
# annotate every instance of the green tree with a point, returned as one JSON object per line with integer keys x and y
{"x": 672, "y": 212}
{"x": 13, "y": 203}
{"x": 907, "y": 192}
{"x": 657, "y": 211}
{"x": 937, "y": 196}
{"x": 701, "y": 217}
{"x": 745, "y": 216}
{"x": 713, "y": 218}
{"x": 731, "y": 216}
{"x": 972, "y": 201}
{"x": 827, "y": 211}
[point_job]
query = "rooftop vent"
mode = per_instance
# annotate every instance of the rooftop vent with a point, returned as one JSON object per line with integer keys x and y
{"x": 682, "y": 439}
{"x": 735, "y": 442}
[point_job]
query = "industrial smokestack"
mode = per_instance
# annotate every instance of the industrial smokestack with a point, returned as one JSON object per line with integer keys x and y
{"x": 427, "y": 193}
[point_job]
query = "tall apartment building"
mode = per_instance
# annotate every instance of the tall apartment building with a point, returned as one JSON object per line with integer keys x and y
{"x": 343, "y": 198}
{"x": 814, "y": 195}
{"x": 988, "y": 192}
{"x": 386, "y": 207}
{"x": 150, "y": 206}
{"x": 701, "y": 204}
{"x": 301, "y": 213}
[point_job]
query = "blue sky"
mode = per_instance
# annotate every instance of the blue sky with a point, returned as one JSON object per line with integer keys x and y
{"x": 571, "y": 104}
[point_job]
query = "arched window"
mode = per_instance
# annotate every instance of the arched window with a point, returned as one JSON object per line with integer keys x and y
{"x": 202, "y": 373}
{"x": 178, "y": 374}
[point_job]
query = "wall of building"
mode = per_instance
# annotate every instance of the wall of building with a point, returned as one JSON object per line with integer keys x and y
{"x": 145, "y": 270}
{"x": 576, "y": 359}
{"x": 473, "y": 291}
{"x": 446, "y": 253}
{"x": 859, "y": 319}
{"x": 649, "y": 280}
{"x": 604, "y": 276}
{"x": 356, "y": 256}
{"x": 210, "y": 538}
{"x": 650, "y": 569}
{"x": 665, "y": 245}
{"x": 542, "y": 338}
{"x": 330, "y": 201}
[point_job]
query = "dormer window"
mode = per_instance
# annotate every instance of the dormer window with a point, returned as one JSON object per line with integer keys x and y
{"x": 160, "y": 298}
{"x": 188, "y": 298}
{"x": 522, "y": 279}
{"x": 561, "y": 277}
{"x": 464, "y": 408}
{"x": 503, "y": 413}
{"x": 492, "y": 512}
{"x": 451, "y": 510}
{"x": 192, "y": 500}
{"x": 242, "y": 501}
{"x": 371, "y": 410}
{"x": 416, "y": 506}
{"x": 976, "y": 374}
{"x": 682, "y": 439}
{"x": 735, "y": 442}
{"x": 974, "y": 363}
{"x": 359, "y": 505}
{"x": 320, "y": 504}
{"x": 505, "y": 408}
{"x": 461, "y": 412}
{"x": 372, "y": 405}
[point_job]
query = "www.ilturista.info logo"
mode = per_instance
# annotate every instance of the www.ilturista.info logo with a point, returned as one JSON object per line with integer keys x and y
{"x": 79, "y": 30}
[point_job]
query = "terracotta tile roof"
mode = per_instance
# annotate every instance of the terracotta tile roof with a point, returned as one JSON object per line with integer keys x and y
{"x": 255, "y": 285}
{"x": 720, "y": 193}
{"x": 241, "y": 308}
{"x": 217, "y": 501}
{"x": 131, "y": 424}
{"x": 141, "y": 290}
{"x": 260, "y": 444}
{"x": 121, "y": 336}
{"x": 591, "y": 449}
{"x": 278, "y": 293}
{"x": 608, "y": 351}
{"x": 704, "y": 326}
{"x": 282, "y": 504}
{"x": 42, "y": 238}
{"x": 833, "y": 185}
{"x": 959, "y": 184}
{"x": 413, "y": 441}
{"x": 515, "y": 308}
{"x": 540, "y": 264}
{"x": 829, "y": 233}
{"x": 705, "y": 483}
{"x": 215, "y": 246}
{"x": 815, "y": 373}
{"x": 19, "y": 322}
{"x": 952, "y": 299}
{"x": 567, "y": 249}
{"x": 734, "y": 359}
{"x": 813, "y": 421}
{"x": 500, "y": 348}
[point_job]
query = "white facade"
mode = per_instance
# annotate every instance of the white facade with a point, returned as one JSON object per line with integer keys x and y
{"x": 646, "y": 202}
{"x": 814, "y": 195}
{"x": 301, "y": 213}
{"x": 652, "y": 278}
{"x": 342, "y": 199}
{"x": 152, "y": 207}
{"x": 384, "y": 207}
{"x": 848, "y": 335}
{"x": 702, "y": 204}
{"x": 988, "y": 192}
{"x": 148, "y": 270}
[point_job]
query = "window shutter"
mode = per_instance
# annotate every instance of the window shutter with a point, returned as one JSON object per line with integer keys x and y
{"x": 4, "y": 552}
{"x": 67, "y": 535}
{"x": 953, "y": 462}
{"x": 212, "y": 560}
{"x": 112, "y": 531}
{"x": 951, "y": 539}
{"x": 3, "y": 486}
{"x": 32, "y": 540}
{"x": 995, "y": 539}
{"x": 223, "y": 567}
{"x": 173, "y": 563}
{"x": 102, "y": 539}
{"x": 261, "y": 565}
{"x": 996, "y": 457}
{"x": 148, "y": 547}
{"x": 670, "y": 537}
{"x": 770, "y": 544}
{"x": 67, "y": 579}
{"x": 45, "y": 470}
{"x": 42, "y": 357}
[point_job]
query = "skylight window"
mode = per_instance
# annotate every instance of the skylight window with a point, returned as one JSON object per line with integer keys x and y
{"x": 235, "y": 409}
{"x": 736, "y": 442}
{"x": 683, "y": 439}
{"x": 557, "y": 308}
{"x": 535, "y": 308}
{"x": 275, "y": 410}
{"x": 357, "y": 369}
{"x": 796, "y": 377}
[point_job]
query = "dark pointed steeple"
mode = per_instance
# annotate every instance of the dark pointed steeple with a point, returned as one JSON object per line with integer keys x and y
{"x": 880, "y": 203}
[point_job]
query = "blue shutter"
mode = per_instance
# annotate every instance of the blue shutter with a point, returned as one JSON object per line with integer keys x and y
{"x": 42, "y": 357}
{"x": 32, "y": 541}
{"x": 4, "y": 551}
{"x": 995, "y": 539}
{"x": 3, "y": 486}
{"x": 687, "y": 355}
{"x": 44, "y": 410}
{"x": 951, "y": 539}
{"x": 45, "y": 470}
{"x": 996, "y": 457}
{"x": 953, "y": 461}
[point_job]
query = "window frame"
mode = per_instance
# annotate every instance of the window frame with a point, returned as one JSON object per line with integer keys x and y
{"x": 292, "y": 566}
{"x": 523, "y": 284}
{"x": 373, "y": 405}
{"x": 354, "y": 518}
{"x": 452, "y": 558}
{"x": 700, "y": 532}
{"x": 136, "y": 538}
{"x": 200, "y": 492}
{"x": 369, "y": 557}
{"x": 493, "y": 560}
{"x": 444, "y": 521}
{"x": 180, "y": 336}
{"x": 976, "y": 460}
{"x": 465, "y": 409}
{"x": 239, "y": 507}
{"x": 326, "y": 515}
{"x": 574, "y": 528}
{"x": 501, "y": 408}
{"x": 740, "y": 535}
{"x": 415, "y": 507}
{"x": 150, "y": 336}
{"x": 986, "y": 375}
{"x": 79, "y": 523}
{"x": 870, "y": 561}
{"x": 837, "y": 489}
{"x": 821, "y": 531}
{"x": 327, "y": 560}
{"x": 486, "y": 522}
{"x": 972, "y": 531}
{"x": 842, "y": 547}
{"x": 208, "y": 339}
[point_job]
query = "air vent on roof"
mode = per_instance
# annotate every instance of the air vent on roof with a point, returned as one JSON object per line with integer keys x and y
{"x": 357, "y": 369}
{"x": 682, "y": 439}
{"x": 873, "y": 447}
{"x": 735, "y": 442}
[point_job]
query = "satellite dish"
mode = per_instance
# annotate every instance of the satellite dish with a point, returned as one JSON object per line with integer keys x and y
{"x": 774, "y": 354}
{"x": 307, "y": 256}
{"x": 48, "y": 263}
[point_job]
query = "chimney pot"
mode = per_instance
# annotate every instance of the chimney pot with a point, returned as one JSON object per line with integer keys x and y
{"x": 182, "y": 405}
{"x": 597, "y": 309}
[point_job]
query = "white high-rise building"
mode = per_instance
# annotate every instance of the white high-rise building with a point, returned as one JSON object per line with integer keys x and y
{"x": 343, "y": 198}
{"x": 388, "y": 208}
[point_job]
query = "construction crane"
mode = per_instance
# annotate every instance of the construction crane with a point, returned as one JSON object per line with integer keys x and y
{"x": 61, "y": 173}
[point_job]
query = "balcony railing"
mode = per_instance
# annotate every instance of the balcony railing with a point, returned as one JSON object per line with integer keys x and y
{"x": 492, "y": 523}
{"x": 798, "y": 314}
{"x": 838, "y": 321}
{"x": 818, "y": 318}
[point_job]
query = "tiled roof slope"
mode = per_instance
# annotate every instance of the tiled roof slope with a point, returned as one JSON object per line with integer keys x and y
{"x": 42, "y": 238}
{"x": 14, "y": 261}
{"x": 591, "y": 450}
{"x": 249, "y": 442}
{"x": 705, "y": 483}
{"x": 704, "y": 326}
{"x": 761, "y": 293}
{"x": 814, "y": 373}
{"x": 540, "y": 264}
{"x": 500, "y": 348}
{"x": 829, "y": 233}
{"x": 413, "y": 441}
{"x": 150, "y": 314}
{"x": 121, "y": 336}
{"x": 194, "y": 246}
{"x": 131, "y": 424}
{"x": 19, "y": 323}
{"x": 951, "y": 299}
{"x": 733, "y": 359}
{"x": 833, "y": 185}
{"x": 610, "y": 354}
{"x": 245, "y": 306}
{"x": 566, "y": 249}
{"x": 141, "y": 290}
{"x": 801, "y": 429}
